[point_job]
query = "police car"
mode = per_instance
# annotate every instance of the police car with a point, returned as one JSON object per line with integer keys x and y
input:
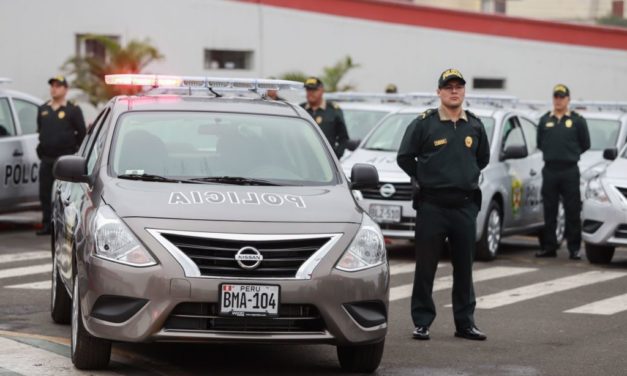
{"x": 19, "y": 164}
{"x": 511, "y": 183}
{"x": 214, "y": 215}
{"x": 604, "y": 211}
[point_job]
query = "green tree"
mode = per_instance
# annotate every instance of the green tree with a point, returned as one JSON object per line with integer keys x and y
{"x": 612, "y": 21}
{"x": 89, "y": 71}
{"x": 331, "y": 76}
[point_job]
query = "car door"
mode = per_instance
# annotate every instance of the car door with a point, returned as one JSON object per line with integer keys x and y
{"x": 517, "y": 173}
{"x": 26, "y": 115}
{"x": 11, "y": 159}
{"x": 532, "y": 195}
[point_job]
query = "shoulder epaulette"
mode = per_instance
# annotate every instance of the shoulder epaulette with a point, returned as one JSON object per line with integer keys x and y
{"x": 472, "y": 115}
{"x": 575, "y": 113}
{"x": 547, "y": 114}
{"x": 334, "y": 105}
{"x": 427, "y": 113}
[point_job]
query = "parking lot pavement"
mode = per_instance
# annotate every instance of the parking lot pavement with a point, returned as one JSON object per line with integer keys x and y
{"x": 542, "y": 317}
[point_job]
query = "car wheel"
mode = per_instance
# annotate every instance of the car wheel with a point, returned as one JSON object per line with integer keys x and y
{"x": 88, "y": 352}
{"x": 599, "y": 254}
{"x": 560, "y": 228}
{"x": 60, "y": 302}
{"x": 488, "y": 245}
{"x": 362, "y": 358}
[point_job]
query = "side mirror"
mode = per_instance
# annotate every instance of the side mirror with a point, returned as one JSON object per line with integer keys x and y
{"x": 610, "y": 154}
{"x": 364, "y": 175}
{"x": 352, "y": 144}
{"x": 514, "y": 152}
{"x": 72, "y": 168}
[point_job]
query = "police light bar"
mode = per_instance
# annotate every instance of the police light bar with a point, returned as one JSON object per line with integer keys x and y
{"x": 5, "y": 80}
{"x": 243, "y": 84}
{"x": 350, "y": 96}
{"x": 599, "y": 105}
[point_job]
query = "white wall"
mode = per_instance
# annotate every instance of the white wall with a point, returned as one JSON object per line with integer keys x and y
{"x": 36, "y": 37}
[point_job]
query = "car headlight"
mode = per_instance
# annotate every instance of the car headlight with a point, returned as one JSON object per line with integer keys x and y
{"x": 115, "y": 242}
{"x": 367, "y": 249}
{"x": 595, "y": 191}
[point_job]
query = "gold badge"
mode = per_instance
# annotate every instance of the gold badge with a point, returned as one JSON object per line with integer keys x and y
{"x": 440, "y": 142}
{"x": 550, "y": 124}
{"x": 44, "y": 113}
{"x": 468, "y": 141}
{"x": 61, "y": 114}
{"x": 318, "y": 119}
{"x": 569, "y": 123}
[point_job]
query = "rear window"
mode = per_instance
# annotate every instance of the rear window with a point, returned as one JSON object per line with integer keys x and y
{"x": 286, "y": 151}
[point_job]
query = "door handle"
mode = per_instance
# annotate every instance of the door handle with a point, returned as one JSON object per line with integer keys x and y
{"x": 533, "y": 172}
{"x": 17, "y": 153}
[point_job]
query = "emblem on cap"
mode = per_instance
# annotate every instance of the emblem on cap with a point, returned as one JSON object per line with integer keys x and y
{"x": 468, "y": 141}
{"x": 387, "y": 190}
{"x": 248, "y": 258}
{"x": 451, "y": 72}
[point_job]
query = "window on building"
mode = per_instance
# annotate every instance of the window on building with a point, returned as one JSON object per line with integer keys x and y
{"x": 228, "y": 59}
{"x": 488, "y": 83}
{"x": 618, "y": 8}
{"x": 500, "y": 6}
{"x": 92, "y": 48}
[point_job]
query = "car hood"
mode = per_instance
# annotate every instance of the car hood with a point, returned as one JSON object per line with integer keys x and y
{"x": 222, "y": 202}
{"x": 384, "y": 161}
{"x": 617, "y": 170}
{"x": 591, "y": 158}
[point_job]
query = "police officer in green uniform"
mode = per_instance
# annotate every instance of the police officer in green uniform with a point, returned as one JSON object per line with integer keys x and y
{"x": 61, "y": 129}
{"x": 327, "y": 115}
{"x": 444, "y": 151}
{"x": 562, "y": 136}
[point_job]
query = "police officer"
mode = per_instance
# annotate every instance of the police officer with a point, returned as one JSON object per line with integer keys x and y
{"x": 562, "y": 136}
{"x": 328, "y": 115}
{"x": 61, "y": 129}
{"x": 391, "y": 89}
{"x": 444, "y": 150}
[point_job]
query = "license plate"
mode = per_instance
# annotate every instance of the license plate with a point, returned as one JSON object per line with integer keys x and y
{"x": 249, "y": 300}
{"x": 385, "y": 213}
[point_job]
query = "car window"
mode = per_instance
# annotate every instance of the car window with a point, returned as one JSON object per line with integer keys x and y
{"x": 98, "y": 143}
{"x": 530, "y": 130}
{"x": 512, "y": 134}
{"x": 27, "y": 115}
{"x": 188, "y": 145}
{"x": 603, "y": 133}
{"x": 389, "y": 133}
{"x": 7, "y": 127}
{"x": 488, "y": 124}
{"x": 91, "y": 132}
{"x": 360, "y": 122}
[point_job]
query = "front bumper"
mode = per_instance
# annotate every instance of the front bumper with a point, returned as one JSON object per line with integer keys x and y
{"x": 604, "y": 223}
{"x": 165, "y": 286}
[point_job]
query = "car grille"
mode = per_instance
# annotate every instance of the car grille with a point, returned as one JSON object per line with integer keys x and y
{"x": 621, "y": 231}
{"x": 216, "y": 257}
{"x": 403, "y": 192}
{"x": 623, "y": 191}
{"x": 406, "y": 224}
{"x": 292, "y": 318}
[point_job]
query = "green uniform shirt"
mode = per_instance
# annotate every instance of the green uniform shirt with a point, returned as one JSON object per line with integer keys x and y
{"x": 439, "y": 153}
{"x": 564, "y": 139}
{"x": 330, "y": 118}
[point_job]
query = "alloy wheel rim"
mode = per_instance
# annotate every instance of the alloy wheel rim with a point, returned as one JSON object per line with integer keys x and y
{"x": 75, "y": 317}
{"x": 494, "y": 231}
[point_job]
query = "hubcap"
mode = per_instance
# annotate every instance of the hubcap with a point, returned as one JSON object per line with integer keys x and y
{"x": 494, "y": 231}
{"x": 75, "y": 316}
{"x": 561, "y": 224}
{"x": 54, "y": 279}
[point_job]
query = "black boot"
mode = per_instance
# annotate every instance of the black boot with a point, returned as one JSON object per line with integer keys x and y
{"x": 45, "y": 230}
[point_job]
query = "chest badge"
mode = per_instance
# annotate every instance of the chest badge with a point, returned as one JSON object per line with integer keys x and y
{"x": 550, "y": 124}
{"x": 568, "y": 123}
{"x": 439, "y": 142}
{"x": 61, "y": 114}
{"x": 318, "y": 119}
{"x": 468, "y": 141}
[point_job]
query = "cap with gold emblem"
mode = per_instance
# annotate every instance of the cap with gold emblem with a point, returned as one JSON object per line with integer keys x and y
{"x": 60, "y": 79}
{"x": 449, "y": 75}
{"x": 391, "y": 89}
{"x": 313, "y": 83}
{"x": 561, "y": 91}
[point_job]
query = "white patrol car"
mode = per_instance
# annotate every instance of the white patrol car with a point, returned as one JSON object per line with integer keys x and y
{"x": 511, "y": 183}
{"x": 19, "y": 164}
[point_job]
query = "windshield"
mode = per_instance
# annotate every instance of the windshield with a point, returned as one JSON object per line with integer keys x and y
{"x": 197, "y": 145}
{"x": 360, "y": 122}
{"x": 389, "y": 134}
{"x": 603, "y": 133}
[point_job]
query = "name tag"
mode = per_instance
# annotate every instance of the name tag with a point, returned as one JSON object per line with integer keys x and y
{"x": 550, "y": 124}
{"x": 440, "y": 142}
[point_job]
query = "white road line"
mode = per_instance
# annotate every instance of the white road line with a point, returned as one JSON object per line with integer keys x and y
{"x": 25, "y": 256}
{"x": 28, "y": 360}
{"x": 443, "y": 283}
{"x": 26, "y": 270}
{"x": 545, "y": 288}
{"x": 41, "y": 285}
{"x": 608, "y": 306}
{"x": 407, "y": 268}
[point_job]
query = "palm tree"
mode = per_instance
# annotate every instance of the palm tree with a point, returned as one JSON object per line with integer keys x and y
{"x": 89, "y": 71}
{"x": 331, "y": 76}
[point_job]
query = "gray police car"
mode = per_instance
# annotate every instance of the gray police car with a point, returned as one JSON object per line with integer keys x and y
{"x": 511, "y": 183}
{"x": 19, "y": 164}
{"x": 214, "y": 217}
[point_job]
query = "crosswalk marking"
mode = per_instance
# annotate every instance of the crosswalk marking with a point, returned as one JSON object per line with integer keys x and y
{"x": 443, "y": 283}
{"x": 41, "y": 285}
{"x": 25, "y": 256}
{"x": 407, "y": 268}
{"x": 608, "y": 306}
{"x": 545, "y": 288}
{"x": 26, "y": 270}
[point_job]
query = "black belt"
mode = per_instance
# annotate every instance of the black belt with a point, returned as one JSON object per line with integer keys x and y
{"x": 447, "y": 197}
{"x": 560, "y": 164}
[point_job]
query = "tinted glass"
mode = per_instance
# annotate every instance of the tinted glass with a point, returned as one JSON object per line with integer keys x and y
{"x": 389, "y": 133}
{"x": 512, "y": 135}
{"x": 603, "y": 133}
{"x": 530, "y": 130}
{"x": 360, "y": 122}
{"x": 7, "y": 128}
{"x": 27, "y": 114}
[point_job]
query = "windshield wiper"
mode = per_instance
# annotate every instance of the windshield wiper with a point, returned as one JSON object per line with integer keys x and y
{"x": 379, "y": 149}
{"x": 237, "y": 180}
{"x": 148, "y": 177}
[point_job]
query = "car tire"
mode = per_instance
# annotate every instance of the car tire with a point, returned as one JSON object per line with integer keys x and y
{"x": 361, "y": 358}
{"x": 599, "y": 254}
{"x": 60, "y": 302}
{"x": 88, "y": 352}
{"x": 488, "y": 245}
